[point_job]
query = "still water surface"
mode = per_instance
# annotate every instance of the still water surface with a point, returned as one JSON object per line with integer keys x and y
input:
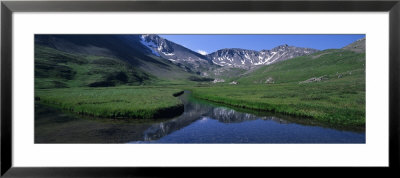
{"x": 201, "y": 122}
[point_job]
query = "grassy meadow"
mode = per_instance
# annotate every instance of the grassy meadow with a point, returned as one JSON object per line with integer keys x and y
{"x": 335, "y": 103}
{"x": 114, "y": 102}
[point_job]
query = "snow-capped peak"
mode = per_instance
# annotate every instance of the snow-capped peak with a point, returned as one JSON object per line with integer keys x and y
{"x": 149, "y": 44}
{"x": 243, "y": 58}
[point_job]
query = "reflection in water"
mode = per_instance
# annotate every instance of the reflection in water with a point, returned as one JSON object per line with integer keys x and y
{"x": 201, "y": 122}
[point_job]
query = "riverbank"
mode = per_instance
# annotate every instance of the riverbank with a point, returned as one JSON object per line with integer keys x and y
{"x": 114, "y": 102}
{"x": 340, "y": 102}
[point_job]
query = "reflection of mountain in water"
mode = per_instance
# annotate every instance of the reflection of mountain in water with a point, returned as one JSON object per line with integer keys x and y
{"x": 192, "y": 113}
{"x": 227, "y": 115}
{"x": 196, "y": 110}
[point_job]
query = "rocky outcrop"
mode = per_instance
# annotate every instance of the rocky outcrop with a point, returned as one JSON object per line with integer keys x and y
{"x": 314, "y": 79}
{"x": 358, "y": 46}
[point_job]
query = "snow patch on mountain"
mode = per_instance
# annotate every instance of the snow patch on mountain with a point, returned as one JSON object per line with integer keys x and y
{"x": 202, "y": 52}
{"x": 243, "y": 58}
{"x": 149, "y": 45}
{"x": 183, "y": 57}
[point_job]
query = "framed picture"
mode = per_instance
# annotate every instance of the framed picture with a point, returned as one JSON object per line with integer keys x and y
{"x": 103, "y": 88}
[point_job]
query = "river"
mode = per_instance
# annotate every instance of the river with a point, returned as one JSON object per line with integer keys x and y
{"x": 201, "y": 122}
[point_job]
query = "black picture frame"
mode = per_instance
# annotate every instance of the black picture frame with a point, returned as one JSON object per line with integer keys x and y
{"x": 8, "y": 7}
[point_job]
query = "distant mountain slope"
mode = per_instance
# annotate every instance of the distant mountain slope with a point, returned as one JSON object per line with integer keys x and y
{"x": 57, "y": 69}
{"x": 242, "y": 58}
{"x": 357, "y": 46}
{"x": 125, "y": 47}
{"x": 324, "y": 65}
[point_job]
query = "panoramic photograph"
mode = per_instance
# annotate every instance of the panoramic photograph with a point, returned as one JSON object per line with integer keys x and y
{"x": 199, "y": 88}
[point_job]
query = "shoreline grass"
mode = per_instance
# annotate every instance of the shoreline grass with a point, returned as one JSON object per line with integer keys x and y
{"x": 338, "y": 103}
{"x": 114, "y": 102}
{"x": 308, "y": 121}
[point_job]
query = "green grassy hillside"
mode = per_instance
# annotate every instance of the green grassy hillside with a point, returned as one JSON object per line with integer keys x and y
{"x": 57, "y": 69}
{"x": 328, "y": 86}
{"x": 331, "y": 64}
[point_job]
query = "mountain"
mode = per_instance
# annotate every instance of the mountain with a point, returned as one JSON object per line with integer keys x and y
{"x": 136, "y": 49}
{"x": 108, "y": 60}
{"x": 100, "y": 60}
{"x": 232, "y": 57}
{"x": 145, "y": 51}
{"x": 128, "y": 48}
{"x": 243, "y": 58}
{"x": 177, "y": 54}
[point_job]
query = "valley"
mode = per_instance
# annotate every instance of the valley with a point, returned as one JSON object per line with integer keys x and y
{"x": 141, "y": 77}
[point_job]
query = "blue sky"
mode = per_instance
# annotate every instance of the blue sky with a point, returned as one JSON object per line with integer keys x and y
{"x": 211, "y": 43}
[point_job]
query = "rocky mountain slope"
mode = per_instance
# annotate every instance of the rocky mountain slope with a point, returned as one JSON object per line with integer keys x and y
{"x": 243, "y": 58}
{"x": 230, "y": 57}
{"x": 177, "y": 54}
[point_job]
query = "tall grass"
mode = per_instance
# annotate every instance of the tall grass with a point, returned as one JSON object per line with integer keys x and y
{"x": 338, "y": 102}
{"x": 114, "y": 102}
